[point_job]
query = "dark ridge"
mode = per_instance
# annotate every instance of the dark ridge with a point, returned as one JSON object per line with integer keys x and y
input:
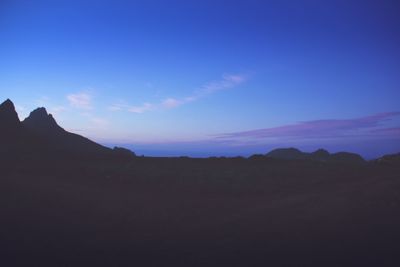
{"x": 8, "y": 115}
{"x": 123, "y": 152}
{"x": 286, "y": 153}
{"x": 319, "y": 155}
{"x": 39, "y": 136}
{"x": 389, "y": 159}
{"x": 346, "y": 157}
{"x": 42, "y": 122}
{"x": 16, "y": 141}
{"x": 44, "y": 125}
{"x": 68, "y": 203}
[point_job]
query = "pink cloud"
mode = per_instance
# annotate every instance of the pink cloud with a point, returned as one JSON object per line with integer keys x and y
{"x": 171, "y": 103}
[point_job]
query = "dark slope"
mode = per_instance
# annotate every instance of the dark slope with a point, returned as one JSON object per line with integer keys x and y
{"x": 199, "y": 212}
{"x": 43, "y": 124}
{"x": 347, "y": 157}
{"x": 10, "y": 128}
{"x": 190, "y": 212}
{"x": 393, "y": 159}
{"x": 15, "y": 139}
{"x": 8, "y": 117}
{"x": 39, "y": 136}
{"x": 318, "y": 155}
{"x": 286, "y": 153}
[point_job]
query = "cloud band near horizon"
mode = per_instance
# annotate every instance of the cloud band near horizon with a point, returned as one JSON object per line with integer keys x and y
{"x": 330, "y": 128}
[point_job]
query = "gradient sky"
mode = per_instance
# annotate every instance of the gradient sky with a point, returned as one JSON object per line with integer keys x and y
{"x": 204, "y": 78}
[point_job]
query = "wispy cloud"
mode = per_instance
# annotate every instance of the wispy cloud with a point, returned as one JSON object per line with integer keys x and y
{"x": 331, "y": 128}
{"x": 56, "y": 110}
{"x": 123, "y": 106}
{"x": 95, "y": 122}
{"x": 140, "y": 109}
{"x": 81, "y": 100}
{"x": 118, "y": 107}
{"x": 99, "y": 122}
{"x": 227, "y": 81}
{"x": 171, "y": 103}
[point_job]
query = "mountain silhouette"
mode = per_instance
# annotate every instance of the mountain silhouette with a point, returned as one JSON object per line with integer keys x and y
{"x": 8, "y": 116}
{"x": 13, "y": 137}
{"x": 346, "y": 157}
{"x": 68, "y": 201}
{"x": 286, "y": 153}
{"x": 40, "y": 135}
{"x": 42, "y": 122}
{"x": 318, "y": 155}
{"x": 44, "y": 125}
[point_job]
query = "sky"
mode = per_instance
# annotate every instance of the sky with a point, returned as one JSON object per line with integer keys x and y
{"x": 203, "y": 78}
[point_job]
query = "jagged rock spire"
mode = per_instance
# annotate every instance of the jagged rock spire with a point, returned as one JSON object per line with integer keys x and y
{"x": 39, "y": 120}
{"x": 8, "y": 115}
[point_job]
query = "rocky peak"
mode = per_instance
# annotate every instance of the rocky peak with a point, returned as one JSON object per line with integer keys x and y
{"x": 40, "y": 120}
{"x": 321, "y": 153}
{"x": 39, "y": 113}
{"x": 8, "y": 115}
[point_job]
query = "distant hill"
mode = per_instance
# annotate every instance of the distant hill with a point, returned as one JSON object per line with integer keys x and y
{"x": 389, "y": 159}
{"x": 286, "y": 153}
{"x": 318, "y": 155}
{"x": 39, "y": 134}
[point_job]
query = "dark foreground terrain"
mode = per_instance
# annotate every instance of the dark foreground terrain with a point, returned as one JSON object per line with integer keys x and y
{"x": 198, "y": 212}
{"x": 67, "y": 201}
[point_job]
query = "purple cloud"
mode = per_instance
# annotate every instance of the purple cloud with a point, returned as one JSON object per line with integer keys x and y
{"x": 369, "y": 125}
{"x": 388, "y": 131}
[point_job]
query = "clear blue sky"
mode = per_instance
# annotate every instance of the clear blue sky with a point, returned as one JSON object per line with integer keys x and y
{"x": 209, "y": 77}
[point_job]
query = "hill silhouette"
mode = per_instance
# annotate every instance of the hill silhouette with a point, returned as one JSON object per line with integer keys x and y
{"x": 44, "y": 125}
{"x": 390, "y": 159}
{"x": 8, "y": 116}
{"x": 319, "y": 155}
{"x": 40, "y": 135}
{"x": 67, "y": 201}
{"x": 15, "y": 139}
{"x": 40, "y": 131}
